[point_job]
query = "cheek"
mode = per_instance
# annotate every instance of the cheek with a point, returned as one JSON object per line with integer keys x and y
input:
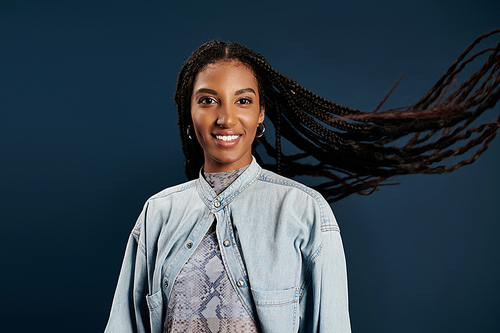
{"x": 195, "y": 118}
{"x": 201, "y": 123}
{"x": 195, "y": 124}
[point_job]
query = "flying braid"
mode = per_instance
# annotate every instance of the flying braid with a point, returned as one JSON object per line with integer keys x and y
{"x": 350, "y": 151}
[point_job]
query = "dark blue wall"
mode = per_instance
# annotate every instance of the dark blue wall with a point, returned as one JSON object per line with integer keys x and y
{"x": 88, "y": 132}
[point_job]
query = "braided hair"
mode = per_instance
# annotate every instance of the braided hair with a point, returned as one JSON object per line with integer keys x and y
{"x": 350, "y": 150}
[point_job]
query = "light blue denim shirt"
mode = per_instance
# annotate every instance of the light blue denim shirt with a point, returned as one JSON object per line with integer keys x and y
{"x": 279, "y": 241}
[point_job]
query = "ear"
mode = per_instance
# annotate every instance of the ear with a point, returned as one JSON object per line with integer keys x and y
{"x": 261, "y": 115}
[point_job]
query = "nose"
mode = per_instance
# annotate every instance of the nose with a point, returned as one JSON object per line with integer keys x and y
{"x": 227, "y": 116}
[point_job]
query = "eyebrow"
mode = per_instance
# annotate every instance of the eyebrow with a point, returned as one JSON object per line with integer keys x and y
{"x": 207, "y": 91}
{"x": 241, "y": 91}
{"x": 213, "y": 92}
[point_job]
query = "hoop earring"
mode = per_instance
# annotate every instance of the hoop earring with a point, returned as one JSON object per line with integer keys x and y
{"x": 188, "y": 132}
{"x": 262, "y": 131}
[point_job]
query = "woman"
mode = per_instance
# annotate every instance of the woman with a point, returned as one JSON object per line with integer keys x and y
{"x": 242, "y": 249}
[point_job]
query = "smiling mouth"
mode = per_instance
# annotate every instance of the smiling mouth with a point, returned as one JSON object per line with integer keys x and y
{"x": 227, "y": 137}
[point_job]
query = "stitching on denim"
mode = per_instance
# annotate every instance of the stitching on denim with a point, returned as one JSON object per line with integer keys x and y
{"x": 139, "y": 225}
{"x": 308, "y": 275}
{"x": 172, "y": 190}
{"x": 201, "y": 192}
{"x": 325, "y": 221}
{"x": 295, "y": 308}
{"x": 136, "y": 232}
{"x": 330, "y": 227}
{"x": 230, "y": 198}
{"x": 277, "y": 304}
{"x": 155, "y": 305}
{"x": 316, "y": 253}
{"x": 142, "y": 248}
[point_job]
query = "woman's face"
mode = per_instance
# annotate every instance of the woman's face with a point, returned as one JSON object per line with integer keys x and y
{"x": 226, "y": 113}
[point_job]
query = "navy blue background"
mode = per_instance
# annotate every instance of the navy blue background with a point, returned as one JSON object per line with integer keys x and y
{"x": 88, "y": 132}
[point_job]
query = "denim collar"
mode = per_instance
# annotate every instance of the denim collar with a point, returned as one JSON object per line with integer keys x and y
{"x": 216, "y": 202}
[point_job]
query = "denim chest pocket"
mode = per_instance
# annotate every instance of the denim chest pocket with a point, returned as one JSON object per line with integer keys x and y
{"x": 276, "y": 309}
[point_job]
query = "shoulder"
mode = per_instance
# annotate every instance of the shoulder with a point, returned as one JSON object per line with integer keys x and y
{"x": 299, "y": 196}
{"x": 159, "y": 206}
{"x": 271, "y": 179}
{"x": 173, "y": 190}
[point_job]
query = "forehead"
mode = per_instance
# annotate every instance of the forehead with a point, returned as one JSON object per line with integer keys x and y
{"x": 226, "y": 73}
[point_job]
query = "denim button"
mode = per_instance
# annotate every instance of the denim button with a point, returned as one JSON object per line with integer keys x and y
{"x": 240, "y": 283}
{"x": 165, "y": 283}
{"x": 189, "y": 245}
{"x": 217, "y": 204}
{"x": 226, "y": 243}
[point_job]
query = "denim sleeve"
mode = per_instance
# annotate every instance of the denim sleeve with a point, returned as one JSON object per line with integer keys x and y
{"x": 129, "y": 311}
{"x": 329, "y": 283}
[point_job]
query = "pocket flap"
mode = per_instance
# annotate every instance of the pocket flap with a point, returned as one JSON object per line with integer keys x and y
{"x": 154, "y": 300}
{"x": 274, "y": 297}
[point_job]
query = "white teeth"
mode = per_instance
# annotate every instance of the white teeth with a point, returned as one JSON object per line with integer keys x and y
{"x": 227, "y": 137}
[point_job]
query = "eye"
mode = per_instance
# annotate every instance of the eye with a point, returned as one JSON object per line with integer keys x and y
{"x": 207, "y": 100}
{"x": 244, "y": 101}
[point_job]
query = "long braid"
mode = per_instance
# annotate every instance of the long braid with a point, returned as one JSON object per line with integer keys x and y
{"x": 354, "y": 151}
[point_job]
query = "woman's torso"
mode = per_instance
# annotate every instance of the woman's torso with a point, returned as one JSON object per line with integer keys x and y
{"x": 268, "y": 230}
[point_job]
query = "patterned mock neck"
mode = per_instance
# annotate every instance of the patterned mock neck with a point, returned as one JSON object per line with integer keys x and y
{"x": 221, "y": 180}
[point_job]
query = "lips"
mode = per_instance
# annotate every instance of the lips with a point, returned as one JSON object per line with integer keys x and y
{"x": 227, "y": 137}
